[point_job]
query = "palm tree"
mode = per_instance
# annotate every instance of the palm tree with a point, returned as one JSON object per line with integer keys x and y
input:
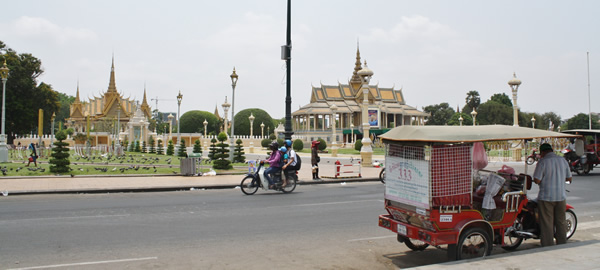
{"x": 473, "y": 100}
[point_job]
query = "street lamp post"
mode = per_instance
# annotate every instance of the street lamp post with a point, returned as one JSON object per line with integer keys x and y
{"x": 474, "y": 115}
{"x": 226, "y": 107}
{"x": 533, "y": 122}
{"x": 3, "y": 147}
{"x": 234, "y": 79}
{"x": 118, "y": 145}
{"x": 514, "y": 86}
{"x": 179, "y": 98}
{"x": 366, "y": 152}
{"x": 352, "y": 134}
{"x": 262, "y": 130}
{"x": 334, "y": 148}
{"x": 460, "y": 119}
{"x": 251, "y": 118}
{"x": 205, "y": 124}
{"x": 170, "y": 117}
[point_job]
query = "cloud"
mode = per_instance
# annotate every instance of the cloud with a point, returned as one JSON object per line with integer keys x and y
{"x": 415, "y": 28}
{"x": 35, "y": 27}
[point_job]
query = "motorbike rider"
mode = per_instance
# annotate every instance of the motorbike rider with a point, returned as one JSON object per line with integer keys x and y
{"x": 290, "y": 165}
{"x": 550, "y": 174}
{"x": 274, "y": 163}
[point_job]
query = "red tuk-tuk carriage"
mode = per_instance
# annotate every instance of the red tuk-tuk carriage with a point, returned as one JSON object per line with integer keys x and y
{"x": 588, "y": 153}
{"x": 432, "y": 190}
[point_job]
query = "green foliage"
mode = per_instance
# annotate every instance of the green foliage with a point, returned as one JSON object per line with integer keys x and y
{"x": 298, "y": 145}
{"x": 144, "y": 148}
{"x": 69, "y": 131}
{"x": 193, "y": 122}
{"x": 280, "y": 142}
{"x": 502, "y": 98}
{"x": 25, "y": 95}
{"x": 152, "y": 147}
{"x": 322, "y": 145}
{"x": 440, "y": 114}
{"x": 222, "y": 154}
{"x": 59, "y": 159}
{"x": 197, "y": 147}
{"x": 549, "y": 117}
{"x": 357, "y": 145}
{"x": 212, "y": 151}
{"x": 181, "y": 152}
{"x": 581, "y": 121}
{"x": 159, "y": 149}
{"x": 242, "y": 124}
{"x": 494, "y": 113}
{"x": 170, "y": 148}
{"x": 272, "y": 137}
{"x": 454, "y": 121}
{"x": 80, "y": 138}
{"x": 265, "y": 143}
{"x": 473, "y": 99}
{"x": 238, "y": 154}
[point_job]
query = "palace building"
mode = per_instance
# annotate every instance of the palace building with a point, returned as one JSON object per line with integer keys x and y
{"x": 387, "y": 109}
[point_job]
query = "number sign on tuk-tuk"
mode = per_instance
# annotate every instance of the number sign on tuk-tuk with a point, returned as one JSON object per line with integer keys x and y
{"x": 433, "y": 174}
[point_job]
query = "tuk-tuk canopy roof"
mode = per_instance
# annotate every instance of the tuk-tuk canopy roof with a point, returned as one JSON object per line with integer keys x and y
{"x": 458, "y": 134}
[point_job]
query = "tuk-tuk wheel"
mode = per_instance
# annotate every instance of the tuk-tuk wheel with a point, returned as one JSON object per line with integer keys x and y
{"x": 475, "y": 242}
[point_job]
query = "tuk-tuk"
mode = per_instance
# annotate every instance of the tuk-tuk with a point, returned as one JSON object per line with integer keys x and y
{"x": 587, "y": 153}
{"x": 433, "y": 176}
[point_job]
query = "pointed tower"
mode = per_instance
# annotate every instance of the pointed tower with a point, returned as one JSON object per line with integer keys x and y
{"x": 111, "y": 97}
{"x": 217, "y": 112}
{"x": 77, "y": 106}
{"x": 112, "y": 86}
{"x": 355, "y": 82}
{"x": 145, "y": 107}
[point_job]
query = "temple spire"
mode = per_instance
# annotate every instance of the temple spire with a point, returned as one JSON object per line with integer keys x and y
{"x": 77, "y": 100}
{"x": 356, "y": 81}
{"x": 112, "y": 86}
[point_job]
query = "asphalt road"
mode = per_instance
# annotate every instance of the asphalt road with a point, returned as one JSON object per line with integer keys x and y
{"x": 316, "y": 227}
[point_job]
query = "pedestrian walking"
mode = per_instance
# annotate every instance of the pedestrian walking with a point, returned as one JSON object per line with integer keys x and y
{"x": 33, "y": 156}
{"x": 550, "y": 174}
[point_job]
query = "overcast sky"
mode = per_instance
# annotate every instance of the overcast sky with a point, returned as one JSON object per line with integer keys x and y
{"x": 436, "y": 51}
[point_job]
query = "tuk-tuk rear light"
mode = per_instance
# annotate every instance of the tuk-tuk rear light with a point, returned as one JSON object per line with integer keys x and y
{"x": 384, "y": 223}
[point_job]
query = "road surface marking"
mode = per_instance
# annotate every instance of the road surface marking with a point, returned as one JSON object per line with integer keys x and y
{"x": 85, "y": 263}
{"x": 329, "y": 203}
{"x": 371, "y": 238}
{"x": 48, "y": 218}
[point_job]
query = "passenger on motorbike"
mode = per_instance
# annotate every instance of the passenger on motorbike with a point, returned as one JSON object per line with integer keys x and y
{"x": 290, "y": 165}
{"x": 274, "y": 163}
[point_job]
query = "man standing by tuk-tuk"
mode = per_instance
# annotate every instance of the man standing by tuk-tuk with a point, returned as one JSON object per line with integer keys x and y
{"x": 550, "y": 174}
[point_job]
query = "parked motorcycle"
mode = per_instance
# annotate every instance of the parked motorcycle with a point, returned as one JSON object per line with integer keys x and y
{"x": 533, "y": 158}
{"x": 253, "y": 181}
{"x": 577, "y": 164}
{"x": 527, "y": 226}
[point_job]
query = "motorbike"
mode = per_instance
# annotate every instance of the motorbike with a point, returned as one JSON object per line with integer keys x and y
{"x": 527, "y": 226}
{"x": 577, "y": 164}
{"x": 533, "y": 158}
{"x": 253, "y": 181}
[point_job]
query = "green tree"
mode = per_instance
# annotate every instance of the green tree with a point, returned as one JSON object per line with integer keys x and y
{"x": 222, "y": 154}
{"x": 581, "y": 121}
{"x": 182, "y": 152}
{"x": 440, "y": 114}
{"x": 152, "y": 148}
{"x": 322, "y": 145}
{"x": 59, "y": 159}
{"x": 170, "y": 148}
{"x": 494, "y": 113}
{"x": 144, "y": 148}
{"x": 473, "y": 99}
{"x": 137, "y": 147}
{"x": 265, "y": 143}
{"x": 212, "y": 151}
{"x": 193, "y": 122}
{"x": 24, "y": 97}
{"x": 242, "y": 124}
{"x": 238, "y": 152}
{"x": 455, "y": 119}
{"x": 547, "y": 119}
{"x": 159, "y": 149}
{"x": 502, "y": 98}
{"x": 298, "y": 145}
{"x": 357, "y": 145}
{"x": 197, "y": 147}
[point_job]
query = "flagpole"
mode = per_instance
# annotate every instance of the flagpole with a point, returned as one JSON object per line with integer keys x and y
{"x": 589, "y": 96}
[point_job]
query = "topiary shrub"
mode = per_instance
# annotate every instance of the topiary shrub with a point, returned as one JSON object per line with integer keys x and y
{"x": 222, "y": 162}
{"x": 322, "y": 145}
{"x": 159, "y": 149}
{"x": 212, "y": 151}
{"x": 357, "y": 145}
{"x": 170, "y": 148}
{"x": 238, "y": 154}
{"x": 197, "y": 147}
{"x": 59, "y": 159}
{"x": 298, "y": 145}
{"x": 265, "y": 143}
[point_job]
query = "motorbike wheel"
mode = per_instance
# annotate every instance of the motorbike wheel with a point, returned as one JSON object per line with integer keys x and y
{"x": 579, "y": 169}
{"x": 512, "y": 242}
{"x": 382, "y": 176}
{"x": 530, "y": 160}
{"x": 474, "y": 243}
{"x": 416, "y": 245}
{"x": 249, "y": 185}
{"x": 571, "y": 223}
{"x": 291, "y": 185}
{"x": 587, "y": 168}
